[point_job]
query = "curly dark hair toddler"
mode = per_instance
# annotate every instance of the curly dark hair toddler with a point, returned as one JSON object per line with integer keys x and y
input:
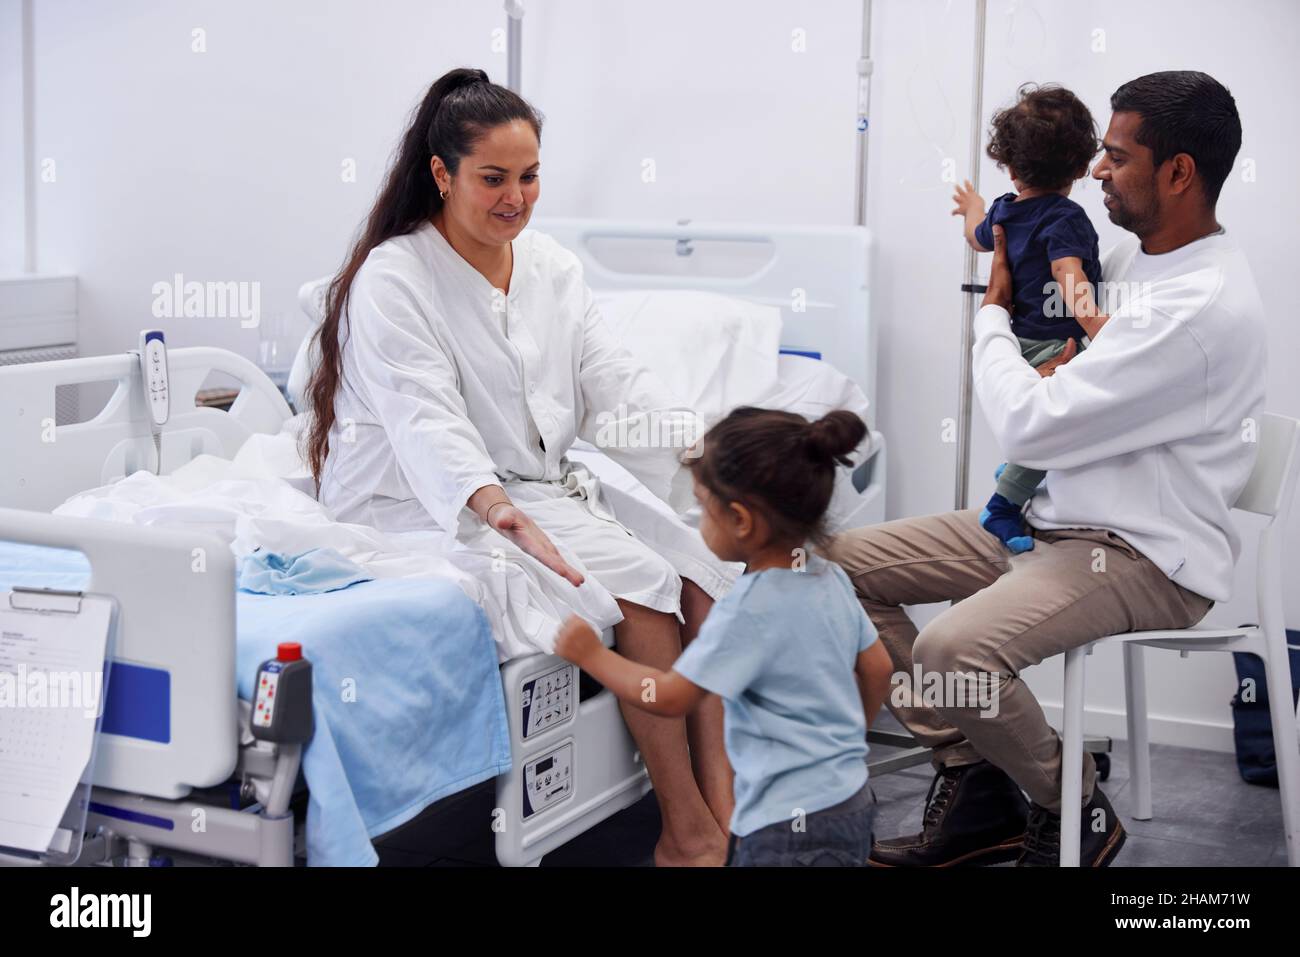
{"x": 1047, "y": 139}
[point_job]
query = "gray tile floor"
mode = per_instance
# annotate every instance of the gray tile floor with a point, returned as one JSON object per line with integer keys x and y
{"x": 1204, "y": 816}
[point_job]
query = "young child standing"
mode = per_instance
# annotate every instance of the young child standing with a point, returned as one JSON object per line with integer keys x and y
{"x": 789, "y": 649}
{"x": 1045, "y": 142}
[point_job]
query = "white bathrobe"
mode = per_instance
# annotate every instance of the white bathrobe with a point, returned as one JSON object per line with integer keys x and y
{"x": 449, "y": 385}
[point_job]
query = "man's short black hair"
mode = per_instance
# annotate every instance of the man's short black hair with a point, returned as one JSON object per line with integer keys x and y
{"x": 1184, "y": 111}
{"x": 1048, "y": 137}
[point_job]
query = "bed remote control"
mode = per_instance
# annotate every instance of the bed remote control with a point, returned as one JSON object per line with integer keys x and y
{"x": 153, "y": 367}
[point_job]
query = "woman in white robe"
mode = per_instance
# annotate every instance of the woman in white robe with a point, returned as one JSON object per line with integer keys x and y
{"x": 461, "y": 356}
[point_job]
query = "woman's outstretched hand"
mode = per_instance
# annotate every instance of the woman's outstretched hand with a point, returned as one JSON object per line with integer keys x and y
{"x": 511, "y": 522}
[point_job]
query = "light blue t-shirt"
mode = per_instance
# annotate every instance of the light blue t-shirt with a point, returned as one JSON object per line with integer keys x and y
{"x": 780, "y": 650}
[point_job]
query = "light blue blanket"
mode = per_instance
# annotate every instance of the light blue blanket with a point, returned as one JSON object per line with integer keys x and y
{"x": 406, "y": 691}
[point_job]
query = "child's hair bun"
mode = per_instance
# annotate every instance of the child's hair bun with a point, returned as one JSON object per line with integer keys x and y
{"x": 832, "y": 437}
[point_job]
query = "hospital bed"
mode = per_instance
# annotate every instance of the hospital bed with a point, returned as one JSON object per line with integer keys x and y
{"x": 572, "y": 763}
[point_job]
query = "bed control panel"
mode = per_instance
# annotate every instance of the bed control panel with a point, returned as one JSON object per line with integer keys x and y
{"x": 153, "y": 368}
{"x": 548, "y": 780}
{"x": 282, "y": 708}
{"x": 548, "y": 700}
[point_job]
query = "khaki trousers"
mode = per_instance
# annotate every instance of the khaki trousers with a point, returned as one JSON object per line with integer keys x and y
{"x": 1076, "y": 585}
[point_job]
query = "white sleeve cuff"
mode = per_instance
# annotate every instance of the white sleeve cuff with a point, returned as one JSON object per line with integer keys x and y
{"x": 990, "y": 321}
{"x": 466, "y": 492}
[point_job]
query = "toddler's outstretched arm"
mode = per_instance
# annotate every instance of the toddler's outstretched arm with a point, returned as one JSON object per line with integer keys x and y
{"x": 665, "y": 693}
{"x": 970, "y": 206}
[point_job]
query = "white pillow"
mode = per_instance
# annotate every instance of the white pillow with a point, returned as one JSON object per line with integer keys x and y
{"x": 715, "y": 352}
{"x": 311, "y": 299}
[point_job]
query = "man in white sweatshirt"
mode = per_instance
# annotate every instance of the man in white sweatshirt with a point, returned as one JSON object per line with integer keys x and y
{"x": 1147, "y": 438}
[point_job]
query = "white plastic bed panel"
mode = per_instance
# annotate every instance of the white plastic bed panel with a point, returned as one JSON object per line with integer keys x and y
{"x": 175, "y": 592}
{"x": 816, "y": 275}
{"x": 568, "y": 773}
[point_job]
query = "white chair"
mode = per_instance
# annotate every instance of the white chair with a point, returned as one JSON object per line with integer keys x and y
{"x": 1268, "y": 493}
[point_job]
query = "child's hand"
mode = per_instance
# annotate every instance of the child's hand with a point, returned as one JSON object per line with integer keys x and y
{"x": 576, "y": 640}
{"x": 968, "y": 201}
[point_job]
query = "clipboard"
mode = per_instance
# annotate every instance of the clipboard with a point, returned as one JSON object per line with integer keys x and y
{"x": 56, "y": 650}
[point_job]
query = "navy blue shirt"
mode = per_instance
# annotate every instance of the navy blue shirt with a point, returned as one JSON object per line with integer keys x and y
{"x": 1039, "y": 230}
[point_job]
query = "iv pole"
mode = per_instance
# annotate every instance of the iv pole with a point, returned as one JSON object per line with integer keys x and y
{"x": 865, "y": 66}
{"x": 514, "y": 43}
{"x": 971, "y": 287}
{"x": 910, "y": 754}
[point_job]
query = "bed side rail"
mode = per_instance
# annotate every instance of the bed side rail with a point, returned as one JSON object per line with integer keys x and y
{"x": 46, "y": 463}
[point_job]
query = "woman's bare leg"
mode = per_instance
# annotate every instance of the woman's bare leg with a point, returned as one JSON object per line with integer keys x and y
{"x": 690, "y": 834}
{"x": 713, "y": 771}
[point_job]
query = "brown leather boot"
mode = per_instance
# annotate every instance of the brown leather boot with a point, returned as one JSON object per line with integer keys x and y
{"x": 975, "y": 814}
{"x": 1101, "y": 835}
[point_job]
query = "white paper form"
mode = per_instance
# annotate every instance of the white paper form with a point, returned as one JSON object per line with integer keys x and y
{"x": 51, "y": 681}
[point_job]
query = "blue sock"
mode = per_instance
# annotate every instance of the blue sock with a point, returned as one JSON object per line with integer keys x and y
{"x": 997, "y": 472}
{"x": 1003, "y": 519}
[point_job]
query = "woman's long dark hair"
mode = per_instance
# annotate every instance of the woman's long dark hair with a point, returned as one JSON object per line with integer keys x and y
{"x": 459, "y": 108}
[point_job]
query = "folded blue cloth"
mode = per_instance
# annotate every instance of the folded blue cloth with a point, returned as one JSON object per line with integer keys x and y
{"x": 311, "y": 573}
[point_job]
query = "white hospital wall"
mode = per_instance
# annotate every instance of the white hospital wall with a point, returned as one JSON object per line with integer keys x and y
{"x": 225, "y": 165}
{"x": 11, "y": 139}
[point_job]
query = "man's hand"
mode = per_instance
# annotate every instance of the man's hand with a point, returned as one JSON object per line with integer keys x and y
{"x": 1045, "y": 369}
{"x": 999, "y": 290}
